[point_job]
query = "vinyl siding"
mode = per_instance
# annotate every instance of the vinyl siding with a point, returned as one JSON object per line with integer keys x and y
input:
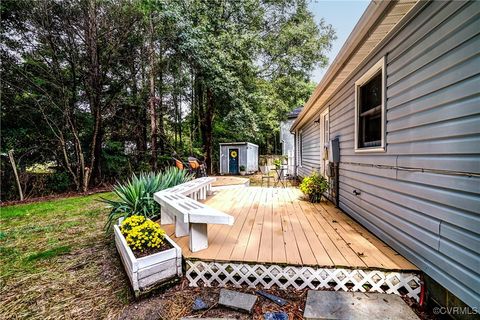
{"x": 310, "y": 159}
{"x": 422, "y": 196}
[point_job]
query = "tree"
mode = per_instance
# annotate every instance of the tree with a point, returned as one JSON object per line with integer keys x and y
{"x": 106, "y": 88}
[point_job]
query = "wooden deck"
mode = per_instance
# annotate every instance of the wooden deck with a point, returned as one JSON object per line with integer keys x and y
{"x": 223, "y": 181}
{"x": 274, "y": 226}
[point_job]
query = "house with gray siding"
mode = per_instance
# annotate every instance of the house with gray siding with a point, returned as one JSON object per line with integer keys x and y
{"x": 403, "y": 99}
{"x": 287, "y": 139}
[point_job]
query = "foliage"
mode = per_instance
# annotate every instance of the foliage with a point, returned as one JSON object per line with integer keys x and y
{"x": 80, "y": 80}
{"x": 242, "y": 168}
{"x": 136, "y": 194}
{"x": 278, "y": 162}
{"x": 142, "y": 234}
{"x": 314, "y": 186}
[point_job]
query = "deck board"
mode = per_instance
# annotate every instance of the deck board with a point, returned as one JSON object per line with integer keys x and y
{"x": 273, "y": 225}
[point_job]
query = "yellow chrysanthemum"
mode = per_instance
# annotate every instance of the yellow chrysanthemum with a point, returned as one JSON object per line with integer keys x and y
{"x": 142, "y": 233}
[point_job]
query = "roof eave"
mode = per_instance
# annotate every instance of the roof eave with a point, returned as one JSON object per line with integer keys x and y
{"x": 373, "y": 12}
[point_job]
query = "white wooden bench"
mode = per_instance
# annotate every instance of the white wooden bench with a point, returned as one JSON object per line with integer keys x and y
{"x": 195, "y": 189}
{"x": 190, "y": 217}
{"x": 179, "y": 206}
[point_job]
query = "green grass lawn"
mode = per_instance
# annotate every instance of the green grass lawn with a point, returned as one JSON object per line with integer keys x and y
{"x": 56, "y": 261}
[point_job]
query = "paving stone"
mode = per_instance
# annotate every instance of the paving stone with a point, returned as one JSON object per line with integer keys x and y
{"x": 275, "y": 316}
{"x": 356, "y": 306}
{"x": 274, "y": 298}
{"x": 199, "y": 304}
{"x": 237, "y": 300}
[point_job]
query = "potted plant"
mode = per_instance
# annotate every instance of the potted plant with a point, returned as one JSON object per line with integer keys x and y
{"x": 242, "y": 170}
{"x": 149, "y": 256}
{"x": 314, "y": 186}
{"x": 277, "y": 163}
{"x": 161, "y": 259}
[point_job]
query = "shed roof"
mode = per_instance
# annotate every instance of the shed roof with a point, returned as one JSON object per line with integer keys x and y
{"x": 237, "y": 143}
{"x": 379, "y": 20}
{"x": 295, "y": 112}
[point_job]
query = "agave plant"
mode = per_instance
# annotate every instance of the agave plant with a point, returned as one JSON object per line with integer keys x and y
{"x": 136, "y": 194}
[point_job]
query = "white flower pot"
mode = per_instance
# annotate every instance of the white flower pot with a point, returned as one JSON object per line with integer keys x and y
{"x": 147, "y": 272}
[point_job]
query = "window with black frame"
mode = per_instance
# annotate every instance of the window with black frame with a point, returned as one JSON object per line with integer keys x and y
{"x": 369, "y": 130}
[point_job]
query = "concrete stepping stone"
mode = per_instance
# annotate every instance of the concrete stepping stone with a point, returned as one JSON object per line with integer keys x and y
{"x": 356, "y": 306}
{"x": 237, "y": 300}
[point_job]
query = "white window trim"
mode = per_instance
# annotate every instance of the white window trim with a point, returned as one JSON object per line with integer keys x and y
{"x": 380, "y": 65}
{"x": 323, "y": 143}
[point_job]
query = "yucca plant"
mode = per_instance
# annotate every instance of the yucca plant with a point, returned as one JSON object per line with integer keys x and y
{"x": 136, "y": 194}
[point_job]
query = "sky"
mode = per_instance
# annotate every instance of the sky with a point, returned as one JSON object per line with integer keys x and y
{"x": 343, "y": 15}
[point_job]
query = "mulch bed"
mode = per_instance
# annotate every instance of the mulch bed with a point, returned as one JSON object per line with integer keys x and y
{"x": 177, "y": 301}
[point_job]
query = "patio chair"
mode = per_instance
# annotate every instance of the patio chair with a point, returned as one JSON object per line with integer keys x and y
{"x": 266, "y": 175}
{"x": 179, "y": 164}
{"x": 197, "y": 167}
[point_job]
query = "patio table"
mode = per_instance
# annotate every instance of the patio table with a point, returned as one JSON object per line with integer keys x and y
{"x": 280, "y": 174}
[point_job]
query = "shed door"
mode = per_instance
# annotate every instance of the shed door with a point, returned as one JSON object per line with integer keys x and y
{"x": 233, "y": 161}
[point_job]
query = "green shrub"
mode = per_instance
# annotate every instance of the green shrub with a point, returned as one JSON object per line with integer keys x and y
{"x": 314, "y": 186}
{"x": 136, "y": 194}
{"x": 242, "y": 168}
{"x": 59, "y": 182}
{"x": 277, "y": 163}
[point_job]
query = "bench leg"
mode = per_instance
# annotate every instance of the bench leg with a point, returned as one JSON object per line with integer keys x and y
{"x": 165, "y": 217}
{"x": 209, "y": 190}
{"x": 198, "y": 237}
{"x": 181, "y": 228}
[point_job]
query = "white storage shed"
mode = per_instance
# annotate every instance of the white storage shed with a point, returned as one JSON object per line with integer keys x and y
{"x": 233, "y": 155}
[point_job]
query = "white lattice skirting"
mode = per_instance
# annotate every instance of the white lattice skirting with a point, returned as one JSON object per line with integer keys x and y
{"x": 267, "y": 276}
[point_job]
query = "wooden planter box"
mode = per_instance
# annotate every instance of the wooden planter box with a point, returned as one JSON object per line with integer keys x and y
{"x": 149, "y": 271}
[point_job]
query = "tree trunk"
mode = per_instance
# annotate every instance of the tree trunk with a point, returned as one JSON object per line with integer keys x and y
{"x": 180, "y": 121}
{"x": 152, "y": 104}
{"x": 161, "y": 114}
{"x": 15, "y": 173}
{"x": 208, "y": 130}
{"x": 94, "y": 90}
